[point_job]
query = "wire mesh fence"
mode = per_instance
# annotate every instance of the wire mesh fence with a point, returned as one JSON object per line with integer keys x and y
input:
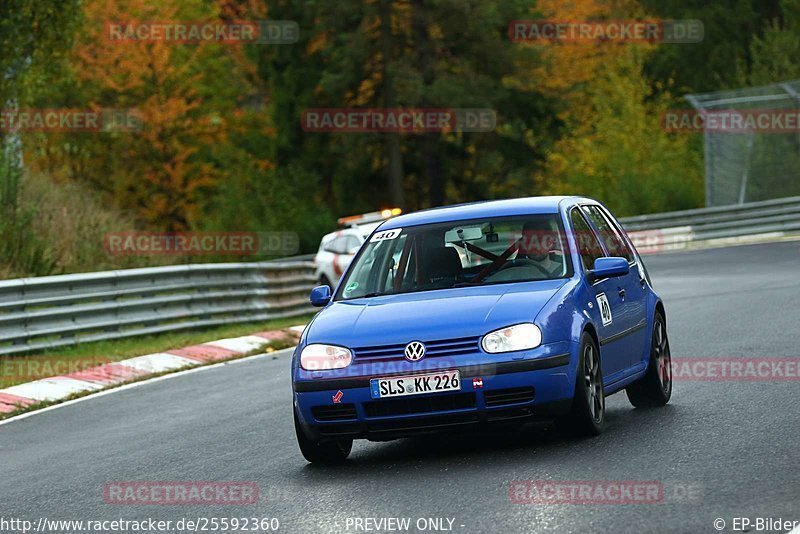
{"x": 758, "y": 158}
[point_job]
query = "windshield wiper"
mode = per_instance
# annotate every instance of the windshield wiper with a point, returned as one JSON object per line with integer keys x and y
{"x": 369, "y": 295}
{"x": 468, "y": 284}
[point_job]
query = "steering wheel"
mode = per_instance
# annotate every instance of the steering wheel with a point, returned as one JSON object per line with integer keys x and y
{"x": 526, "y": 262}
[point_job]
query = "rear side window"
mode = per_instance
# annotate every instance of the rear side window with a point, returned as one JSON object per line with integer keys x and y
{"x": 615, "y": 243}
{"x": 351, "y": 244}
{"x": 335, "y": 245}
{"x": 588, "y": 244}
{"x": 345, "y": 244}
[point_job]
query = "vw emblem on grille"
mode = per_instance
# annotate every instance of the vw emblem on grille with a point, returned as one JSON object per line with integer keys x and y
{"x": 415, "y": 351}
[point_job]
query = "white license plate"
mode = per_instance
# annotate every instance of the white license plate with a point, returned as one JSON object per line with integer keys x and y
{"x": 381, "y": 388}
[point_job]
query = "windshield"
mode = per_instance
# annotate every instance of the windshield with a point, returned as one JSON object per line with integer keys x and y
{"x": 459, "y": 254}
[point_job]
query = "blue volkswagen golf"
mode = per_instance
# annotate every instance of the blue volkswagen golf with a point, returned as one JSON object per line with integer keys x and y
{"x": 501, "y": 311}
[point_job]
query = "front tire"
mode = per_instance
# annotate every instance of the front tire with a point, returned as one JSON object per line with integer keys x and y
{"x": 586, "y": 418}
{"x": 326, "y": 452}
{"x": 655, "y": 387}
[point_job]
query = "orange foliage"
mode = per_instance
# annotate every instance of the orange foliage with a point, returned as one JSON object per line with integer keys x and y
{"x": 568, "y": 67}
{"x": 160, "y": 179}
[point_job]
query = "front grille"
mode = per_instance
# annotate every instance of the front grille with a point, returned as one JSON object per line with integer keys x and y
{"x": 335, "y": 412}
{"x": 417, "y": 405}
{"x": 500, "y": 397}
{"x": 433, "y": 349}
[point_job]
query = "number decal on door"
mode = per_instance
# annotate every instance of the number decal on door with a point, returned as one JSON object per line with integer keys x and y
{"x": 605, "y": 309}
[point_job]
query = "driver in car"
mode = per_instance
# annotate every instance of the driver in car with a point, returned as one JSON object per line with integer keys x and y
{"x": 537, "y": 242}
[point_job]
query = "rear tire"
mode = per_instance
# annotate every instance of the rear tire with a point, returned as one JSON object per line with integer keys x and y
{"x": 326, "y": 452}
{"x": 655, "y": 387}
{"x": 586, "y": 418}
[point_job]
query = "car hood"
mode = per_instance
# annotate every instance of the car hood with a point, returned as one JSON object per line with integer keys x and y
{"x": 430, "y": 315}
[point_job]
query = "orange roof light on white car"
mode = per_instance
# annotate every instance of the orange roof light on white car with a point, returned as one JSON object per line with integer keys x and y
{"x": 366, "y": 218}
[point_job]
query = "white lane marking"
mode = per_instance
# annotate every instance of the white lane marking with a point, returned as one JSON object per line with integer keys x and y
{"x": 53, "y": 388}
{"x": 240, "y": 344}
{"x": 144, "y": 382}
{"x": 157, "y": 362}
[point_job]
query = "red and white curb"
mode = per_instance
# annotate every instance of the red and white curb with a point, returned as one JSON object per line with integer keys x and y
{"x": 88, "y": 380}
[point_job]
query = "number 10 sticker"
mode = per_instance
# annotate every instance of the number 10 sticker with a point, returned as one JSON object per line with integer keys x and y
{"x": 605, "y": 309}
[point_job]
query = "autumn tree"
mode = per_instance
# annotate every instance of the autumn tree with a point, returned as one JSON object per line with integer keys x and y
{"x": 185, "y": 95}
{"x": 613, "y": 147}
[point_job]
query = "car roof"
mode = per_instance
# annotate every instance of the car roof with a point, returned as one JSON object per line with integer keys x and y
{"x": 487, "y": 208}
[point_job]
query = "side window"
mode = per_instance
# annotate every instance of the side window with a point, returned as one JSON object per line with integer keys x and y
{"x": 351, "y": 244}
{"x": 630, "y": 252}
{"x": 342, "y": 244}
{"x": 588, "y": 245}
{"x": 614, "y": 242}
{"x": 333, "y": 245}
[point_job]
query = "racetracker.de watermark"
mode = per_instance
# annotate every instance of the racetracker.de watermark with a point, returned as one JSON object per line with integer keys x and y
{"x": 28, "y": 369}
{"x": 545, "y": 241}
{"x": 195, "y": 32}
{"x": 641, "y": 31}
{"x": 180, "y": 493}
{"x": 735, "y": 121}
{"x": 398, "y": 120}
{"x": 602, "y": 492}
{"x": 71, "y": 120}
{"x": 201, "y": 243}
{"x": 733, "y": 369}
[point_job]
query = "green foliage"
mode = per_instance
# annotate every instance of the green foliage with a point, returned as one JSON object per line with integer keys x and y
{"x": 441, "y": 54}
{"x": 59, "y": 228}
{"x": 621, "y": 155}
{"x": 267, "y": 201}
{"x": 730, "y": 26}
{"x": 34, "y": 36}
{"x": 773, "y": 54}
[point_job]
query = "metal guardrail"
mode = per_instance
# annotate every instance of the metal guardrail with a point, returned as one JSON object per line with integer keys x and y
{"x": 683, "y": 229}
{"x": 52, "y": 311}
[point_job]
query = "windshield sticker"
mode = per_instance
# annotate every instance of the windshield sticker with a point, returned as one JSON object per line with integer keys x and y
{"x": 386, "y": 235}
{"x": 351, "y": 287}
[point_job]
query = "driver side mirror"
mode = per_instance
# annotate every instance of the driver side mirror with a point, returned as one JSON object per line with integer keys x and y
{"x": 609, "y": 267}
{"x": 320, "y": 296}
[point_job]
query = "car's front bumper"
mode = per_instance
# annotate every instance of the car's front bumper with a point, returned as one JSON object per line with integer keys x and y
{"x": 531, "y": 388}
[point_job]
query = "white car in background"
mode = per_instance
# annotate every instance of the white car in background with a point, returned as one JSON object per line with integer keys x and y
{"x": 337, "y": 249}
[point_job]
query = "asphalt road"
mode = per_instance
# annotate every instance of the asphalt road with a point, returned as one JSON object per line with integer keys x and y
{"x": 720, "y": 449}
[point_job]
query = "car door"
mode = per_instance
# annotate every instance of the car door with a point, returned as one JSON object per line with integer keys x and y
{"x": 629, "y": 288}
{"x": 604, "y": 306}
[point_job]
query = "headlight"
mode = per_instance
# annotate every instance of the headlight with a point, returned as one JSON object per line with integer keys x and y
{"x": 518, "y": 337}
{"x": 317, "y": 357}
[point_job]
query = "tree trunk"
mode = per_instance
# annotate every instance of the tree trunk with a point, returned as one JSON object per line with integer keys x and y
{"x": 12, "y": 162}
{"x": 430, "y": 141}
{"x": 393, "y": 149}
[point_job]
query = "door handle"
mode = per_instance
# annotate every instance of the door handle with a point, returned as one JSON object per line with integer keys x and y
{"x": 622, "y": 293}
